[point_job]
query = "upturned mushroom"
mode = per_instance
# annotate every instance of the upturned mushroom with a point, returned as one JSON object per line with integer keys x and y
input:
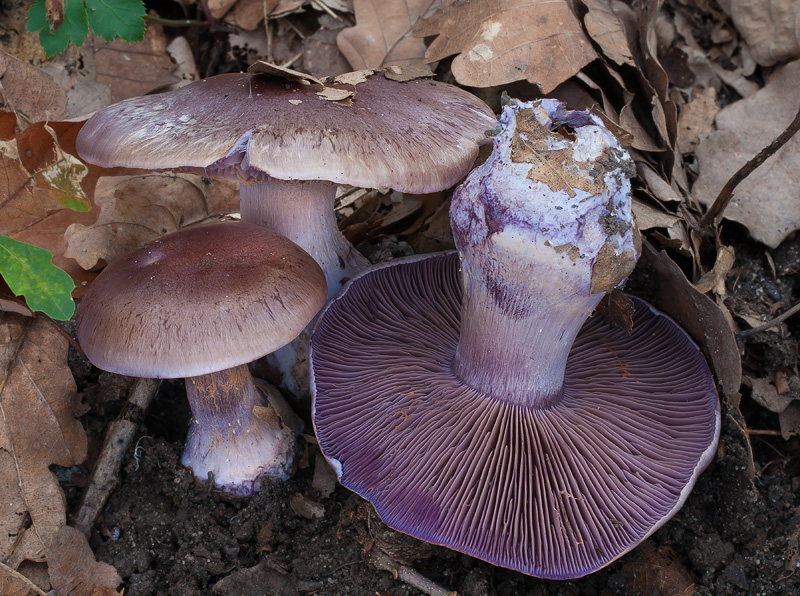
{"x": 200, "y": 304}
{"x": 290, "y": 142}
{"x": 475, "y": 402}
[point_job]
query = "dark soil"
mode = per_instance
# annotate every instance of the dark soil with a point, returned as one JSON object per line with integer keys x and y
{"x": 739, "y": 532}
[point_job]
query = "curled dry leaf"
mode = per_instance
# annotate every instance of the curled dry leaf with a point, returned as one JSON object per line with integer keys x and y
{"x": 770, "y": 27}
{"x": 136, "y": 209}
{"x": 766, "y": 201}
{"x": 74, "y": 570}
{"x": 605, "y": 28}
{"x": 382, "y": 35}
{"x": 701, "y": 318}
{"x": 37, "y": 429}
{"x": 501, "y": 41}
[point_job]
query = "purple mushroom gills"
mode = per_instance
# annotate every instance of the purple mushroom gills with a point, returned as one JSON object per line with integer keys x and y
{"x": 200, "y": 304}
{"x": 475, "y": 400}
{"x": 290, "y": 142}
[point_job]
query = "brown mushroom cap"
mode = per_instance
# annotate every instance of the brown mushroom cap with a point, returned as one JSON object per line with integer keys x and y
{"x": 198, "y": 301}
{"x": 416, "y": 136}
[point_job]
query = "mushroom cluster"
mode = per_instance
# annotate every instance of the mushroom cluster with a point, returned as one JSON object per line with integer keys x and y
{"x": 475, "y": 400}
{"x": 290, "y": 142}
{"x": 200, "y": 304}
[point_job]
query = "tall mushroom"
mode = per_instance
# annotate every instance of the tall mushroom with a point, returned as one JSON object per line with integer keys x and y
{"x": 473, "y": 399}
{"x": 201, "y": 303}
{"x": 291, "y": 141}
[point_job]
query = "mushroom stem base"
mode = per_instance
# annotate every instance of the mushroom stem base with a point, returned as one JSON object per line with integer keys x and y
{"x": 227, "y": 439}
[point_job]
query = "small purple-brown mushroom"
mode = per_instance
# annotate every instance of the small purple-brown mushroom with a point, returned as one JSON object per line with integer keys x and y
{"x": 200, "y": 304}
{"x": 475, "y": 402}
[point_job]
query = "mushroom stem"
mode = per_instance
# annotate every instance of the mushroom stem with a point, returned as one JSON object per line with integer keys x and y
{"x": 303, "y": 212}
{"x": 544, "y": 229}
{"x": 227, "y": 439}
{"x": 516, "y": 334}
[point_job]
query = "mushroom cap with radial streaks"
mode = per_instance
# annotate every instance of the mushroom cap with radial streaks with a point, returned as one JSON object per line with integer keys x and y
{"x": 198, "y": 301}
{"x": 556, "y": 492}
{"x": 417, "y": 136}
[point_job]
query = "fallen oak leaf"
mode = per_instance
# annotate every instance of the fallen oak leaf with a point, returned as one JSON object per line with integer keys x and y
{"x": 30, "y": 92}
{"x": 74, "y": 569}
{"x": 501, "y": 41}
{"x": 765, "y": 201}
{"x": 383, "y": 34}
{"x": 37, "y": 429}
{"x": 137, "y": 209}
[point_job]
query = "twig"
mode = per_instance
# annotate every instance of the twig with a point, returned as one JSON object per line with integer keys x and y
{"x": 406, "y": 574}
{"x": 769, "y": 324}
{"x": 176, "y": 22}
{"x": 769, "y": 433}
{"x": 726, "y": 193}
{"x": 105, "y": 476}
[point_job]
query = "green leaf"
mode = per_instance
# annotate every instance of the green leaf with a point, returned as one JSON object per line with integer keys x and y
{"x": 74, "y": 28}
{"x": 29, "y": 271}
{"x": 112, "y": 18}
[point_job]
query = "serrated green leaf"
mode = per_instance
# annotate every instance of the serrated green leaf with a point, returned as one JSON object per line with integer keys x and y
{"x": 37, "y": 16}
{"x": 29, "y": 271}
{"x": 74, "y": 28}
{"x": 112, "y": 18}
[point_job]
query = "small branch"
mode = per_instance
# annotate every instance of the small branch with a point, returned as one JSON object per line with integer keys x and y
{"x": 105, "y": 475}
{"x": 726, "y": 193}
{"x": 769, "y": 433}
{"x": 176, "y": 22}
{"x": 769, "y": 324}
{"x": 406, "y": 574}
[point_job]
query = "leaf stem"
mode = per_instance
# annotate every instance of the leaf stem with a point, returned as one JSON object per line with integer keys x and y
{"x": 176, "y": 22}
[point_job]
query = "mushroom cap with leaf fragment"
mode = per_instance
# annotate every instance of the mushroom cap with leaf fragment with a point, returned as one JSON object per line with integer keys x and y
{"x": 198, "y": 301}
{"x": 363, "y": 129}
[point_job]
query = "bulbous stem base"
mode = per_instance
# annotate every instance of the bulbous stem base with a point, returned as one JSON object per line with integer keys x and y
{"x": 227, "y": 439}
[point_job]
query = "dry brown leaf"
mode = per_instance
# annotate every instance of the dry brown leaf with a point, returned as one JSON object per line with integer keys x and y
{"x": 771, "y": 28}
{"x": 37, "y": 400}
{"x": 74, "y": 570}
{"x": 383, "y": 34}
{"x": 715, "y": 279}
{"x": 766, "y": 395}
{"x": 30, "y": 92}
{"x": 218, "y": 8}
{"x": 16, "y": 584}
{"x": 136, "y": 209}
{"x": 648, "y": 217}
{"x": 696, "y": 119}
{"x": 248, "y": 14}
{"x": 790, "y": 422}
{"x": 39, "y": 182}
{"x": 132, "y": 69}
{"x": 766, "y": 201}
{"x": 501, "y": 41}
{"x": 701, "y": 318}
{"x": 282, "y": 8}
{"x": 605, "y": 28}
{"x": 324, "y": 477}
{"x": 321, "y": 55}
{"x": 306, "y": 507}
